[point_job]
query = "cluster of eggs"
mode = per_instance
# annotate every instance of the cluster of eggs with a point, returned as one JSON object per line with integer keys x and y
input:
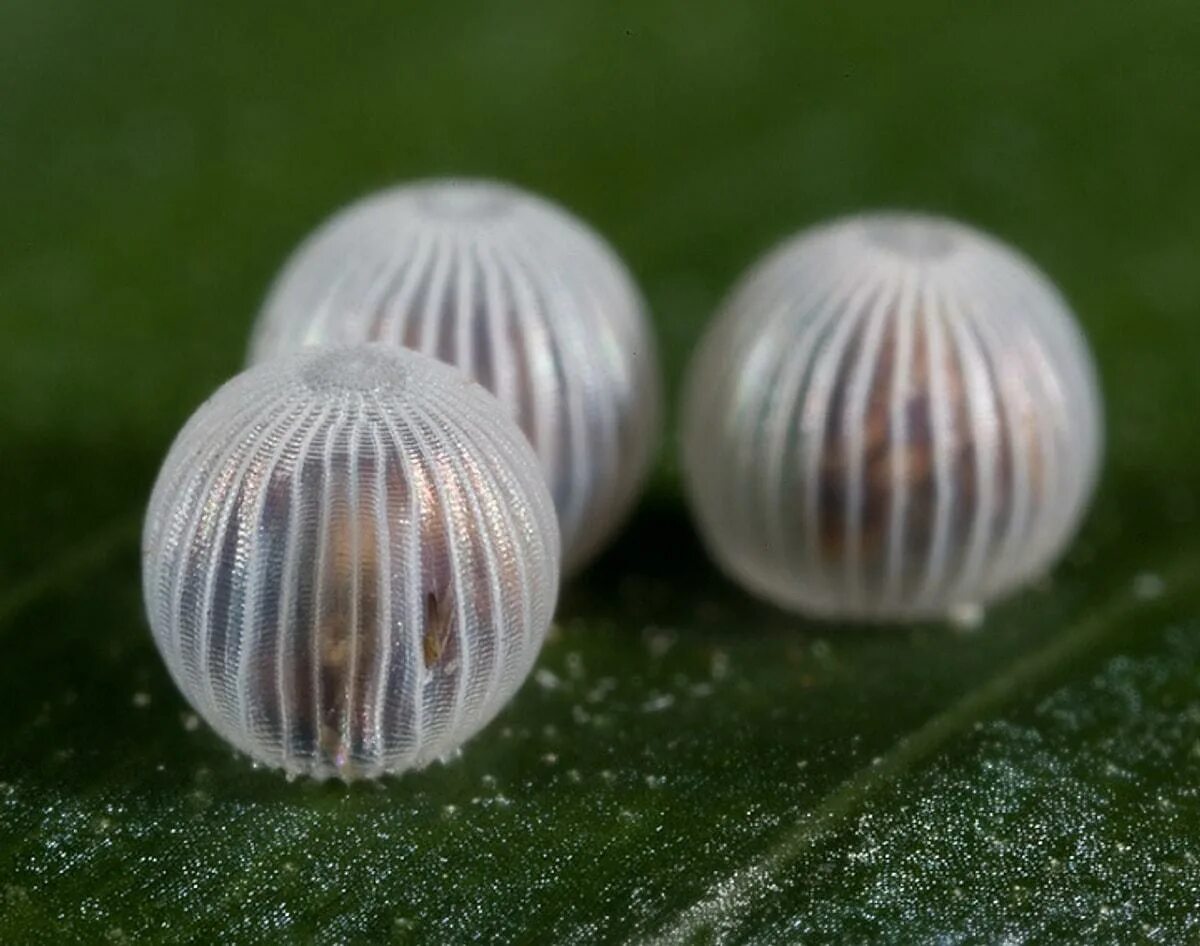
{"x": 353, "y": 550}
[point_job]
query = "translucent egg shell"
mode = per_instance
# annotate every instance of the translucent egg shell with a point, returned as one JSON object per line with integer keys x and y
{"x": 517, "y": 293}
{"x": 893, "y": 417}
{"x": 350, "y": 561}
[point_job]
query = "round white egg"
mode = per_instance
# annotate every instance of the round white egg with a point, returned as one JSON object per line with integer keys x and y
{"x": 350, "y": 561}
{"x": 894, "y": 416}
{"x": 516, "y": 292}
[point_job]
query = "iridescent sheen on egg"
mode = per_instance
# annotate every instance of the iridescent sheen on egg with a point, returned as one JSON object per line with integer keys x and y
{"x": 894, "y": 416}
{"x": 350, "y": 561}
{"x": 515, "y": 291}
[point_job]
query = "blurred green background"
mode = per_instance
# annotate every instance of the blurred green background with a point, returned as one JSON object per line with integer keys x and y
{"x": 688, "y": 766}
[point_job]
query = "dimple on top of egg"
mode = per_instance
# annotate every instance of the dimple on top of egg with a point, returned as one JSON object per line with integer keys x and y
{"x": 894, "y": 416}
{"x": 515, "y": 291}
{"x": 350, "y": 560}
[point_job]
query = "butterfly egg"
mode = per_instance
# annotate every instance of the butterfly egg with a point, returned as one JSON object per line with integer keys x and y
{"x": 350, "y": 561}
{"x": 893, "y": 417}
{"x": 520, "y": 295}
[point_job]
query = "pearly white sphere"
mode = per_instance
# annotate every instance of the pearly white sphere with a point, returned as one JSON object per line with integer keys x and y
{"x": 516, "y": 292}
{"x": 893, "y": 417}
{"x": 350, "y": 561}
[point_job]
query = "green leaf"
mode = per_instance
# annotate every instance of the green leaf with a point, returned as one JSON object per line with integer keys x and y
{"x": 686, "y": 765}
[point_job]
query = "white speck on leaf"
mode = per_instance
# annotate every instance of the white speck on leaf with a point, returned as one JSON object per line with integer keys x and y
{"x": 546, "y": 679}
{"x": 658, "y": 702}
{"x": 1147, "y": 586}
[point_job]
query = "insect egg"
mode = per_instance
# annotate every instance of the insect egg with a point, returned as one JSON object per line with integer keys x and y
{"x": 517, "y": 293}
{"x": 893, "y": 417}
{"x": 350, "y": 561}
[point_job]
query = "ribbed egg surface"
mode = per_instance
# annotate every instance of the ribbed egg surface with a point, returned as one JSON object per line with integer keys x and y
{"x": 893, "y": 417}
{"x": 516, "y": 292}
{"x": 350, "y": 561}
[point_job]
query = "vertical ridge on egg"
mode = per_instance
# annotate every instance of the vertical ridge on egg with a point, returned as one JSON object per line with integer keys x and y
{"x": 517, "y": 293}
{"x": 894, "y": 416}
{"x": 350, "y": 561}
